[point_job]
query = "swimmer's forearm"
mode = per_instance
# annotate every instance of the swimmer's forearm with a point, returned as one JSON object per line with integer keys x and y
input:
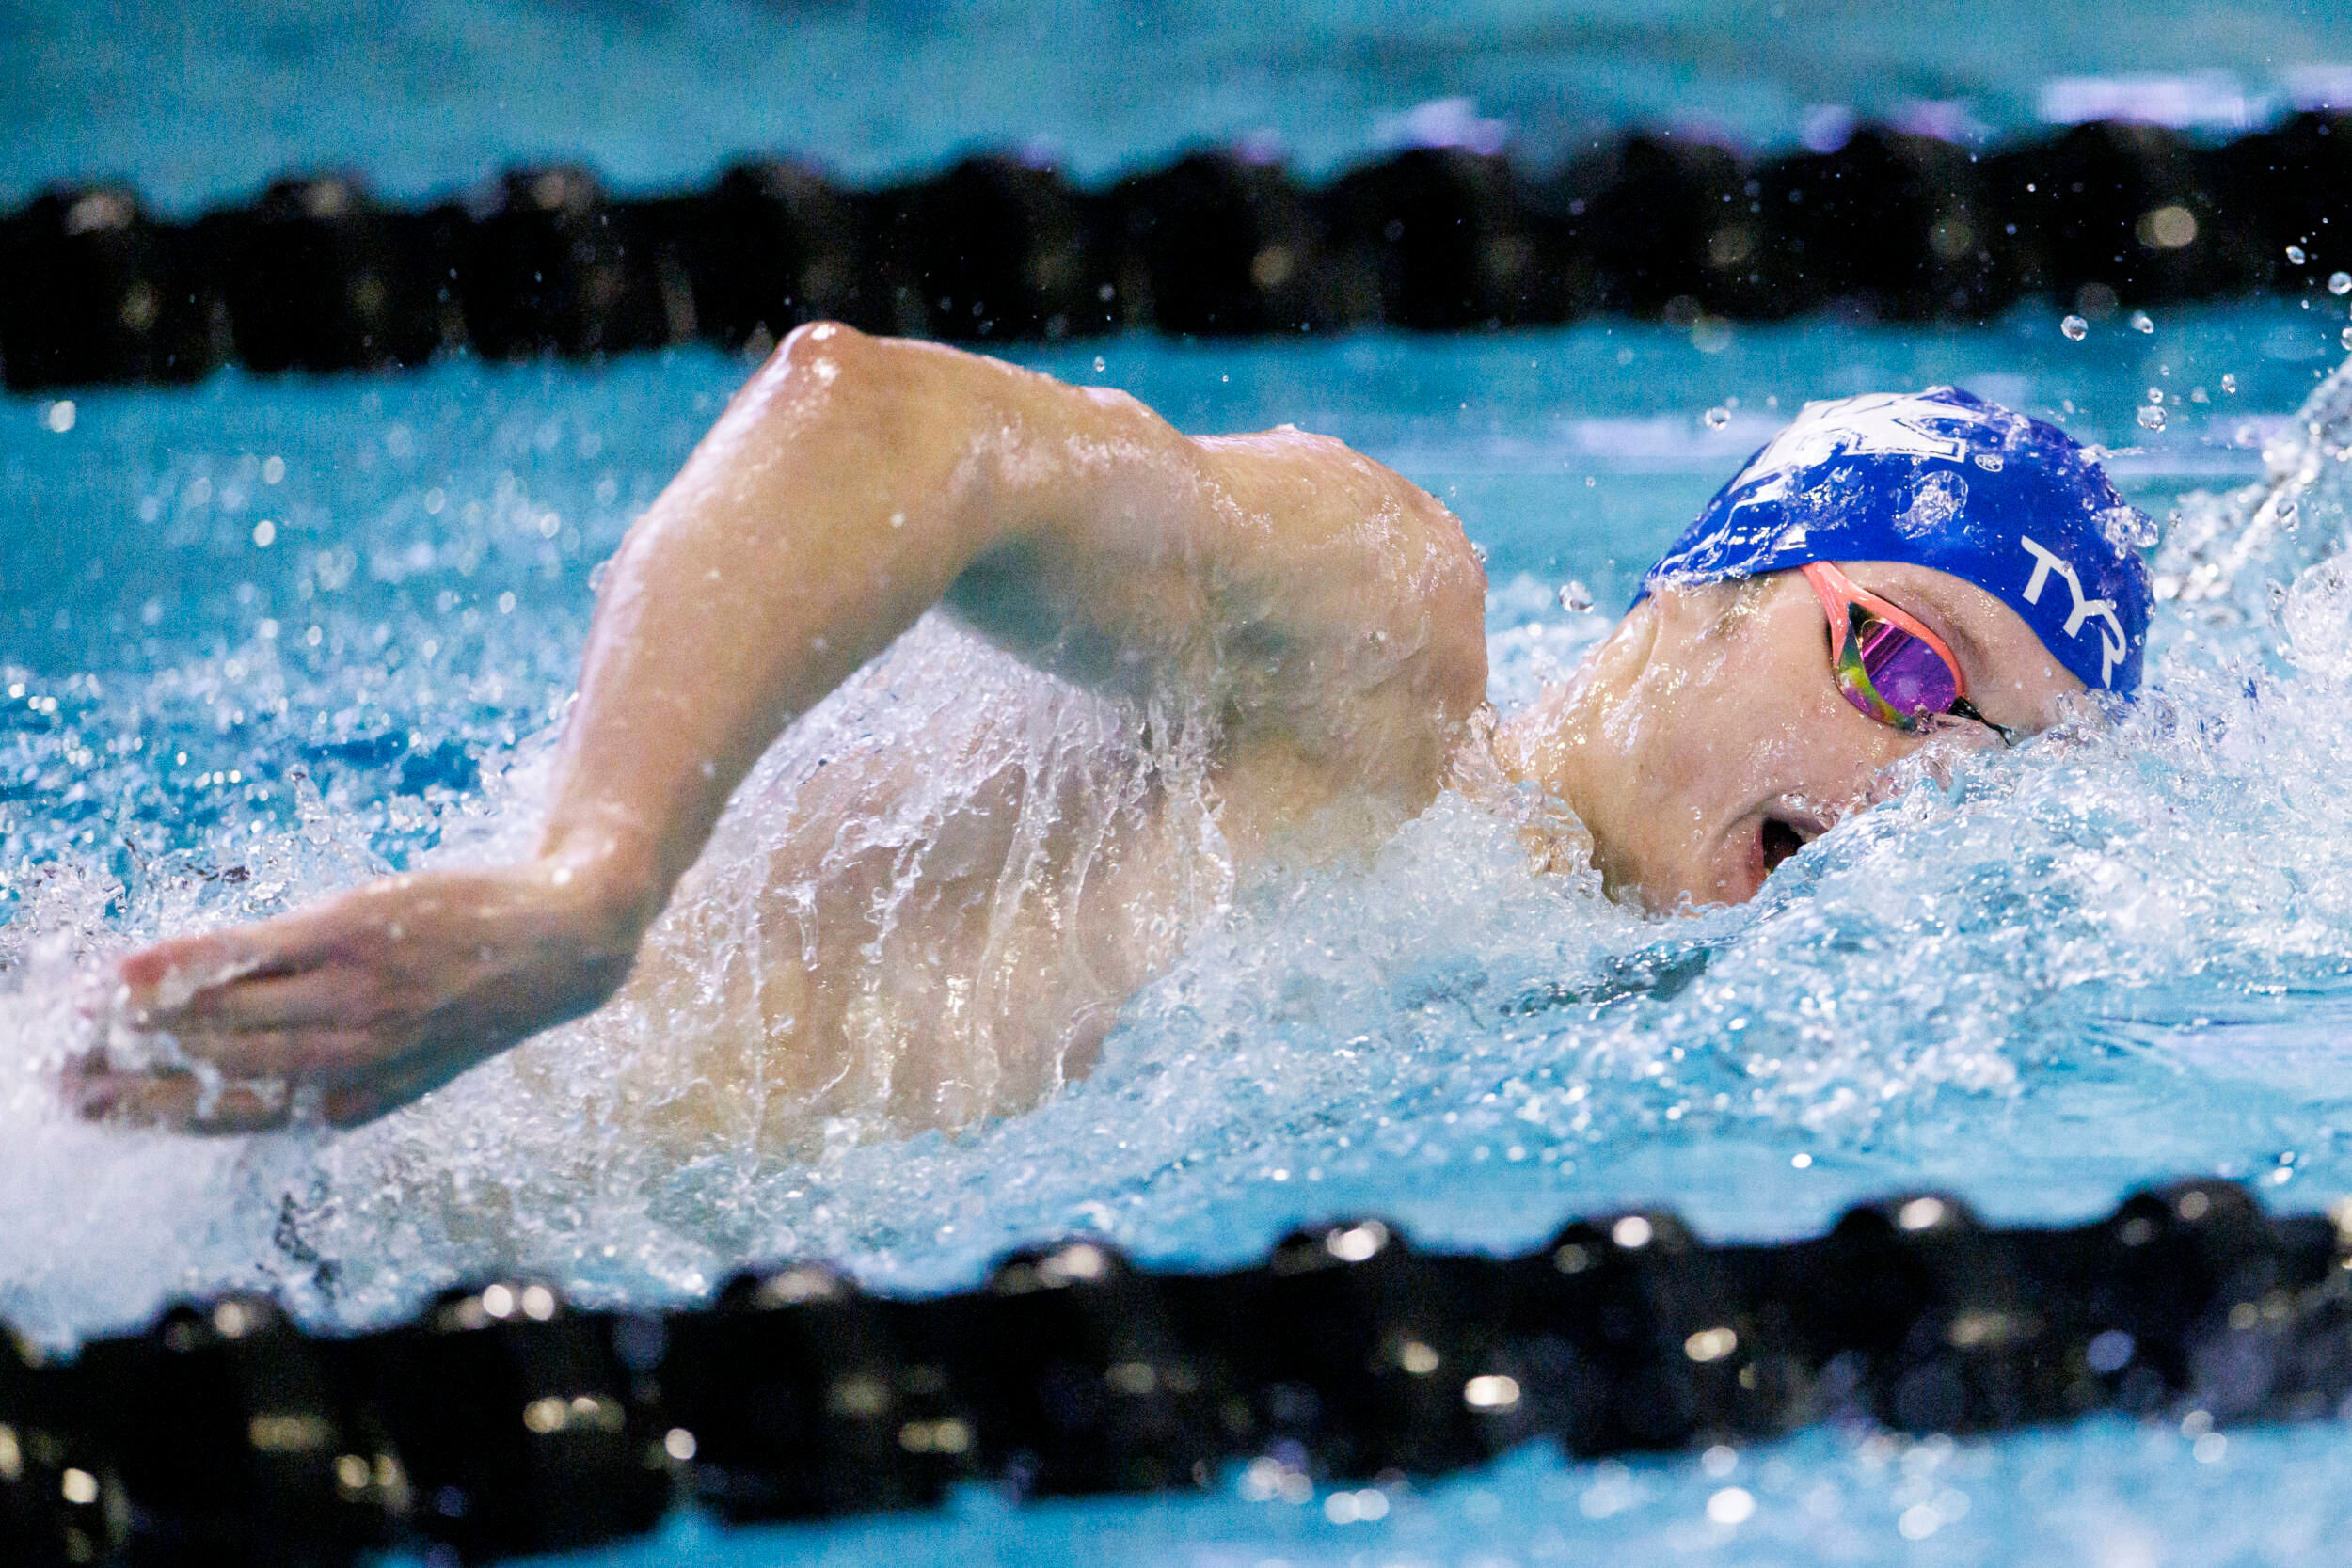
{"x": 847, "y": 487}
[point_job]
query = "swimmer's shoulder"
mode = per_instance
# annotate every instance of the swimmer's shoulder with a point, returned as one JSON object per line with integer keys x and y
{"x": 1377, "y": 546}
{"x": 1369, "y": 599}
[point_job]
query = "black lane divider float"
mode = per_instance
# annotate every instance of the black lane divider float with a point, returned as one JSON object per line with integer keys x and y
{"x": 505, "y": 1421}
{"x": 317, "y": 276}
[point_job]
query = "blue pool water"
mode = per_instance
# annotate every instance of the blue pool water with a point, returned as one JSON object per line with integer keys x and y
{"x": 267, "y": 638}
{"x": 202, "y": 104}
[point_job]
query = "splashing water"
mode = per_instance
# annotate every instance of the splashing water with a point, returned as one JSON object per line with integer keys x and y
{"x": 2119, "y": 951}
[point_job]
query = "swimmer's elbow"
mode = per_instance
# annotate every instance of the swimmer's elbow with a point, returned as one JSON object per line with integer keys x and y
{"x": 845, "y": 388}
{"x": 814, "y": 359}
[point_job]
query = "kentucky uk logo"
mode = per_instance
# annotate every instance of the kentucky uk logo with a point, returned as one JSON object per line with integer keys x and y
{"x": 1882, "y": 424}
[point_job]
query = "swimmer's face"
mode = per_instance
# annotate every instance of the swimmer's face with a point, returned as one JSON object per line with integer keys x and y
{"x": 1723, "y": 745}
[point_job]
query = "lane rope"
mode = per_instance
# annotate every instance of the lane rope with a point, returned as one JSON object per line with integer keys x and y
{"x": 503, "y": 1420}
{"x": 316, "y": 275}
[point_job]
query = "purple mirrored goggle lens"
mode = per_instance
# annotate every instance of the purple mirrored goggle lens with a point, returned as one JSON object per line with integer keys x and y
{"x": 1904, "y": 672}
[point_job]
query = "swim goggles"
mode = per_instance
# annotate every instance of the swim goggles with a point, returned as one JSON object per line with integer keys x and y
{"x": 1889, "y": 665}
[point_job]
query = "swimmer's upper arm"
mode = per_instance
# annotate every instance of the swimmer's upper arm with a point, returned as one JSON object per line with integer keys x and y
{"x": 1312, "y": 602}
{"x": 1306, "y": 592}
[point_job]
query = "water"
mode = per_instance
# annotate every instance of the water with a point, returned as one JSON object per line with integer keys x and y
{"x": 201, "y": 106}
{"x": 2115, "y": 954}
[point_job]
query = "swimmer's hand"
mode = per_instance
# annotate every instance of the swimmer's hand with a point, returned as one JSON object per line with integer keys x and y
{"x": 341, "y": 1012}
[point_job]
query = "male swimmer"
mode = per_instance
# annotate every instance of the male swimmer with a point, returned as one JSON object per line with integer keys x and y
{"x": 1892, "y": 572}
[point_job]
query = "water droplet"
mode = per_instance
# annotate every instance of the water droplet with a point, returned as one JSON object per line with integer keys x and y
{"x": 2289, "y": 515}
{"x": 2076, "y": 328}
{"x": 58, "y": 415}
{"x": 2229, "y": 384}
{"x": 2339, "y": 282}
{"x": 2155, "y": 394}
{"x": 1935, "y": 502}
{"x": 2141, "y": 322}
{"x": 1575, "y": 598}
{"x": 2127, "y": 528}
{"x": 2345, "y": 336}
{"x": 2150, "y": 416}
{"x": 265, "y": 533}
{"x": 1101, "y": 364}
{"x": 2295, "y": 255}
{"x": 1717, "y": 417}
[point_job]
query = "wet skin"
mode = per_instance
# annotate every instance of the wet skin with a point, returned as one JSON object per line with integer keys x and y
{"x": 1325, "y": 615}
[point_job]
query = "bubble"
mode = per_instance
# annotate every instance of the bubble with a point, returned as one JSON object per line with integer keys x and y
{"x": 1575, "y": 598}
{"x": 1718, "y": 417}
{"x": 2142, "y": 321}
{"x": 2076, "y": 328}
{"x": 2295, "y": 255}
{"x": 2150, "y": 416}
{"x": 2339, "y": 282}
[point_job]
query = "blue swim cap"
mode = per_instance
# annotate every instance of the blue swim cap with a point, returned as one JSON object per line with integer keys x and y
{"x": 1942, "y": 478}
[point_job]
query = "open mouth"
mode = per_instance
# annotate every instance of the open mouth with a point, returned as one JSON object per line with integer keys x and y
{"x": 1780, "y": 838}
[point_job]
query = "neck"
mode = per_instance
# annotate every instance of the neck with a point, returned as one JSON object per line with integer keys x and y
{"x": 1563, "y": 743}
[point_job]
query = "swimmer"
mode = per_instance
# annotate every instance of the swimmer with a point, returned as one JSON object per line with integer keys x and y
{"x": 1893, "y": 574}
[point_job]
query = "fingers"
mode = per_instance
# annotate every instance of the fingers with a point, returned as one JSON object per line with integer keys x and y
{"x": 161, "y": 983}
{"x": 205, "y": 958}
{"x": 178, "y": 1101}
{"x": 313, "y": 997}
{"x": 166, "y": 973}
{"x": 283, "y": 972}
{"x": 303, "y": 1054}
